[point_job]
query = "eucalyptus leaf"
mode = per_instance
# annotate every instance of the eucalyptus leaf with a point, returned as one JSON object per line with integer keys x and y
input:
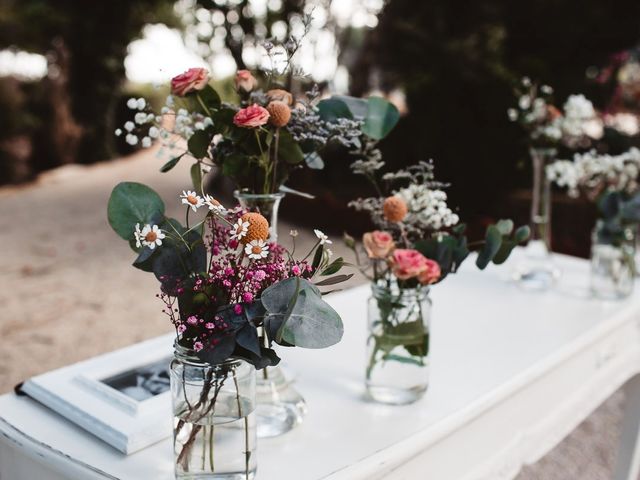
{"x": 493, "y": 240}
{"x": 288, "y": 149}
{"x": 132, "y": 203}
{"x": 522, "y": 234}
{"x": 198, "y": 143}
{"x": 382, "y": 116}
{"x": 333, "y": 108}
{"x": 171, "y": 163}
{"x": 505, "y": 227}
{"x": 312, "y": 323}
{"x": 314, "y": 161}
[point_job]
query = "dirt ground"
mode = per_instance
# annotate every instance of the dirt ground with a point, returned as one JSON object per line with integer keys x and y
{"x": 68, "y": 292}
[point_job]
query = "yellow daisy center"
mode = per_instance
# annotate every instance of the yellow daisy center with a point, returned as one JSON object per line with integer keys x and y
{"x": 151, "y": 236}
{"x": 256, "y": 249}
{"x": 192, "y": 200}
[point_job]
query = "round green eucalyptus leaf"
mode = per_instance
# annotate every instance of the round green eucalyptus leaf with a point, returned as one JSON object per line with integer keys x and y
{"x": 382, "y": 116}
{"x": 132, "y": 203}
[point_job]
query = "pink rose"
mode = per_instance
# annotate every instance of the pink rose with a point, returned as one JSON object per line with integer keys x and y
{"x": 251, "y": 117}
{"x": 407, "y": 263}
{"x": 378, "y": 244}
{"x": 431, "y": 274}
{"x": 245, "y": 81}
{"x": 189, "y": 81}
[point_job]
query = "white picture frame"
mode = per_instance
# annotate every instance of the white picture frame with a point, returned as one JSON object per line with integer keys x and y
{"x": 98, "y": 394}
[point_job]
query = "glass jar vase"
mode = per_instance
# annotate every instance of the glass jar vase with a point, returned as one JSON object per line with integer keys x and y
{"x": 280, "y": 407}
{"x": 537, "y": 271}
{"x": 214, "y": 425}
{"x": 398, "y": 345}
{"x": 266, "y": 204}
{"x": 613, "y": 264}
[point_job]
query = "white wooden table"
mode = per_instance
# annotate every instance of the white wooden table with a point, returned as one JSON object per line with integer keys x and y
{"x": 512, "y": 373}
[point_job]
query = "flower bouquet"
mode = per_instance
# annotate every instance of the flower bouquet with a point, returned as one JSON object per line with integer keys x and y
{"x": 547, "y": 127}
{"x": 231, "y": 295}
{"x": 259, "y": 139}
{"x": 611, "y": 181}
{"x": 419, "y": 241}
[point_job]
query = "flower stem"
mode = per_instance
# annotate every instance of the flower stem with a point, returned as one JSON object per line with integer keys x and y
{"x": 247, "y": 452}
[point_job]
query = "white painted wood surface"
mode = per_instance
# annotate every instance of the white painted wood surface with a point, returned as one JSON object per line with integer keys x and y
{"x": 512, "y": 373}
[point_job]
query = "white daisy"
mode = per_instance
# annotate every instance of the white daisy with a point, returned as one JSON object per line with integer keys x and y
{"x": 214, "y": 205}
{"x": 137, "y": 234}
{"x": 239, "y": 229}
{"x": 256, "y": 249}
{"x": 149, "y": 236}
{"x": 322, "y": 237}
{"x": 192, "y": 199}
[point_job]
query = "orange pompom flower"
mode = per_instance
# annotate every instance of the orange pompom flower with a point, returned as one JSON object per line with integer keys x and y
{"x": 394, "y": 209}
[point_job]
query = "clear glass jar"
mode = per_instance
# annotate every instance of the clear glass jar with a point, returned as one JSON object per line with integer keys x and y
{"x": 214, "y": 424}
{"x": 279, "y": 405}
{"x": 613, "y": 265}
{"x": 537, "y": 271}
{"x": 398, "y": 345}
{"x": 266, "y": 204}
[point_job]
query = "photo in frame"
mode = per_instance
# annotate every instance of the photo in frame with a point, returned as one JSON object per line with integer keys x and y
{"x": 121, "y": 397}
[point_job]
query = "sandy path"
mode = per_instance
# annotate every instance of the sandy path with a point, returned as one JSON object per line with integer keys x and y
{"x": 67, "y": 289}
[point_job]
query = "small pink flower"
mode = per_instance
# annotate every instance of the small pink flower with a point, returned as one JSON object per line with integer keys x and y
{"x": 407, "y": 263}
{"x": 189, "y": 81}
{"x": 296, "y": 270}
{"x": 197, "y": 346}
{"x": 210, "y": 325}
{"x": 251, "y": 117}
{"x": 233, "y": 244}
{"x": 245, "y": 81}
{"x": 260, "y": 275}
{"x": 192, "y": 320}
{"x": 237, "y": 309}
{"x": 181, "y": 328}
{"x": 247, "y": 297}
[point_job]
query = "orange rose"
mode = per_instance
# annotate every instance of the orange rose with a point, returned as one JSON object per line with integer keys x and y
{"x": 378, "y": 244}
{"x": 245, "y": 81}
{"x": 251, "y": 117}
{"x": 189, "y": 81}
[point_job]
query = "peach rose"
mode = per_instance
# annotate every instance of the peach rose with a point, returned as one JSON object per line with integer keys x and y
{"x": 431, "y": 274}
{"x": 245, "y": 81}
{"x": 189, "y": 81}
{"x": 407, "y": 263}
{"x": 279, "y": 94}
{"x": 251, "y": 117}
{"x": 378, "y": 244}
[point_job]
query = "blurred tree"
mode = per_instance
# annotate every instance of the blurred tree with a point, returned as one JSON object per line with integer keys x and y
{"x": 457, "y": 61}
{"x": 85, "y": 44}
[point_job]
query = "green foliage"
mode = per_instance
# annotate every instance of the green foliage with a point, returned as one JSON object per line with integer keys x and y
{"x": 199, "y": 142}
{"x": 171, "y": 163}
{"x": 382, "y": 116}
{"x": 288, "y": 149}
{"x": 492, "y": 243}
{"x": 300, "y": 315}
{"x": 379, "y": 115}
{"x": 196, "y": 178}
{"x": 132, "y": 203}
